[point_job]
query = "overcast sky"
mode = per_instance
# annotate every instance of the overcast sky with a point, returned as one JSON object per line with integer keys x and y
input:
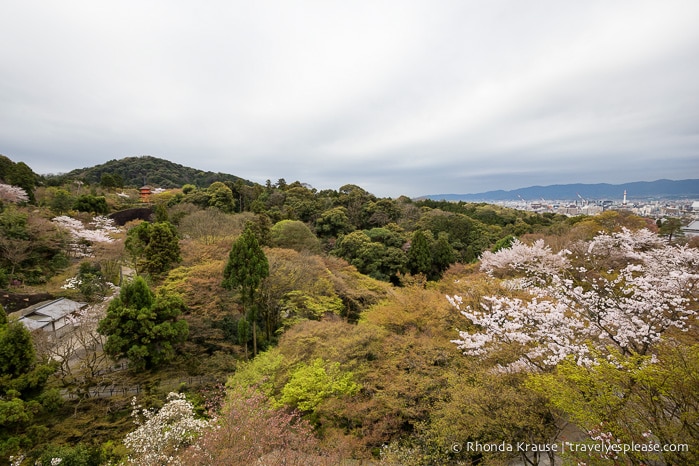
{"x": 399, "y": 97}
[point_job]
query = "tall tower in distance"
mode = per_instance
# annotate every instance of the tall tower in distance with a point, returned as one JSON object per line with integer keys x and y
{"x": 624, "y": 203}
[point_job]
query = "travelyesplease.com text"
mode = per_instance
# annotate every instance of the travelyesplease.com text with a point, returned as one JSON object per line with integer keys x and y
{"x": 604, "y": 448}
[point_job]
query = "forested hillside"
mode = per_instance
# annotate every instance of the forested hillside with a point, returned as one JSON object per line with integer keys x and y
{"x": 278, "y": 324}
{"x": 147, "y": 170}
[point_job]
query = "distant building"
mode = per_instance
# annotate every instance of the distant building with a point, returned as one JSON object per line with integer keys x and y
{"x": 49, "y": 316}
{"x": 570, "y": 210}
{"x": 591, "y": 209}
{"x": 695, "y": 206}
{"x": 692, "y": 229}
{"x": 145, "y": 192}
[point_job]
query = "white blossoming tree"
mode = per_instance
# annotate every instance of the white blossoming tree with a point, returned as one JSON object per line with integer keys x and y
{"x": 14, "y": 194}
{"x": 603, "y": 333}
{"x": 162, "y": 434}
{"x": 621, "y": 292}
{"x": 99, "y": 230}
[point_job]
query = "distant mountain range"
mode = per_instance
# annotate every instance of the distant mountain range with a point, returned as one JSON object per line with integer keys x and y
{"x": 665, "y": 189}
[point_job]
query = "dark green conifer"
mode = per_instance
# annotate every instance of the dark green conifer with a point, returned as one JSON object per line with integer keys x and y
{"x": 246, "y": 268}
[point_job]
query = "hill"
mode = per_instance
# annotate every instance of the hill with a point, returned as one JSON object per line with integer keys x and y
{"x": 137, "y": 171}
{"x": 667, "y": 189}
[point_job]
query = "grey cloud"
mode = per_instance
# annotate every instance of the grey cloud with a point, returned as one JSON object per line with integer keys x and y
{"x": 400, "y": 97}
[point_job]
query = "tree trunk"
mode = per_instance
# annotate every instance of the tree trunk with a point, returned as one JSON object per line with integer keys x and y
{"x": 254, "y": 338}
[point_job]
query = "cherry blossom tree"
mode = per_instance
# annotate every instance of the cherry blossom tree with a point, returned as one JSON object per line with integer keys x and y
{"x": 250, "y": 431}
{"x": 13, "y": 194}
{"x": 161, "y": 434}
{"x": 619, "y": 291}
{"x": 100, "y": 230}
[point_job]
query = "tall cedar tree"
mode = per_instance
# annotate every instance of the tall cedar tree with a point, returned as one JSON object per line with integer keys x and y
{"x": 442, "y": 256}
{"x": 419, "y": 254}
{"x": 142, "y": 326}
{"x": 246, "y": 268}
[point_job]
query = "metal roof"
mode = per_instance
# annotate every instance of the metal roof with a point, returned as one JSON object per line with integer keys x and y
{"x": 44, "y": 313}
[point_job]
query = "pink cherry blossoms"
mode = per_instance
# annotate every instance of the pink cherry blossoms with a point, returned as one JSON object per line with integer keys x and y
{"x": 11, "y": 193}
{"x": 100, "y": 231}
{"x": 621, "y": 291}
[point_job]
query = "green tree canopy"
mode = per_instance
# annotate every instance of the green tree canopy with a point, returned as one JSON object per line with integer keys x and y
{"x": 21, "y": 175}
{"x": 632, "y": 397}
{"x": 221, "y": 197}
{"x": 60, "y": 201}
{"x": 31, "y": 248}
{"x": 294, "y": 234}
{"x": 17, "y": 355}
{"x": 334, "y": 222}
{"x": 22, "y": 388}
{"x": 310, "y": 384}
{"x": 442, "y": 256}
{"x": 142, "y": 326}
{"x": 154, "y": 247}
{"x": 107, "y": 181}
{"x": 371, "y": 256}
{"x": 246, "y": 268}
{"x": 383, "y": 212}
{"x": 671, "y": 228}
{"x": 89, "y": 203}
{"x": 419, "y": 254}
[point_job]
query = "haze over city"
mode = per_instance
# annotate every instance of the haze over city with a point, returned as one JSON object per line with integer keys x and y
{"x": 399, "y": 97}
